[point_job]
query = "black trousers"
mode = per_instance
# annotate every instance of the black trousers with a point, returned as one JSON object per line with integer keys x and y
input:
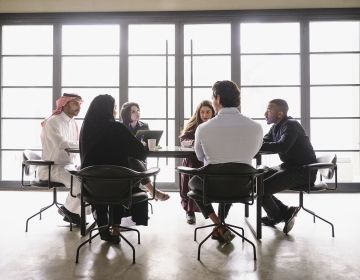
{"x": 196, "y": 184}
{"x": 139, "y": 166}
{"x": 277, "y": 179}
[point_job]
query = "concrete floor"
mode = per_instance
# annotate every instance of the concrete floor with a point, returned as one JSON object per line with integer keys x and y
{"x": 167, "y": 249}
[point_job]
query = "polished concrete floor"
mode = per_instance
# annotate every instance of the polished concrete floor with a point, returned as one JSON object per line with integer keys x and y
{"x": 167, "y": 249}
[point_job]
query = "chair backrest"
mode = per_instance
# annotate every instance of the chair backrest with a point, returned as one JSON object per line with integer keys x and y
{"x": 228, "y": 182}
{"x": 30, "y": 155}
{"x": 108, "y": 184}
{"x": 327, "y": 173}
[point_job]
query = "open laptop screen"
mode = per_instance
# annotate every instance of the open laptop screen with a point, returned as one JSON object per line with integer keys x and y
{"x": 144, "y": 135}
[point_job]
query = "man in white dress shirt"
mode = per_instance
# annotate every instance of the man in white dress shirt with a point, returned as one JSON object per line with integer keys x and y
{"x": 228, "y": 137}
{"x": 61, "y": 131}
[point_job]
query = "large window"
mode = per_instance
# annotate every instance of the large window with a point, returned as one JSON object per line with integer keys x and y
{"x": 334, "y": 93}
{"x": 270, "y": 68}
{"x": 168, "y": 64}
{"x": 26, "y": 92}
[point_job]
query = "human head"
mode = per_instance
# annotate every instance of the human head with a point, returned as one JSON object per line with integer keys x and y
{"x": 101, "y": 108}
{"x": 225, "y": 94}
{"x": 204, "y": 112}
{"x": 130, "y": 111}
{"x": 69, "y": 103}
{"x": 206, "y": 109}
{"x": 276, "y": 111}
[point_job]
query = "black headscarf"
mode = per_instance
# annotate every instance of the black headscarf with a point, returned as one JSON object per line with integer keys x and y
{"x": 97, "y": 120}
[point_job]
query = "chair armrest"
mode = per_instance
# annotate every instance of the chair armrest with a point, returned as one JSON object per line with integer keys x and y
{"x": 39, "y": 162}
{"x": 150, "y": 172}
{"x": 316, "y": 166}
{"x": 71, "y": 169}
{"x": 187, "y": 170}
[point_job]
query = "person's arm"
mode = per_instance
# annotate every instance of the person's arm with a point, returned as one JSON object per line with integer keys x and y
{"x": 135, "y": 148}
{"x": 268, "y": 137}
{"x": 197, "y": 146}
{"x": 52, "y": 131}
{"x": 289, "y": 134}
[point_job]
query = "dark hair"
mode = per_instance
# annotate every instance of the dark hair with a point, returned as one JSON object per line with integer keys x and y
{"x": 229, "y": 93}
{"x": 282, "y": 104}
{"x": 195, "y": 120}
{"x": 125, "y": 112}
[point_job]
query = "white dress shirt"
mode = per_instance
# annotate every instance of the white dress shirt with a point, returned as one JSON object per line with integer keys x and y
{"x": 228, "y": 137}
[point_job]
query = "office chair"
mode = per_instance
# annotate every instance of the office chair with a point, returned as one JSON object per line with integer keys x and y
{"x": 326, "y": 165}
{"x": 110, "y": 185}
{"x": 225, "y": 184}
{"x": 31, "y": 161}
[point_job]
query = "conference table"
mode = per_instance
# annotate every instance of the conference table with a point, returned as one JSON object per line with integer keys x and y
{"x": 182, "y": 152}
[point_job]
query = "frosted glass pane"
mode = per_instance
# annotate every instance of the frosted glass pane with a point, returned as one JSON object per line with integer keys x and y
{"x": 199, "y": 94}
{"x": 270, "y": 37}
{"x": 270, "y": 70}
{"x": 88, "y": 94}
{"x": 334, "y": 68}
{"x": 151, "y": 38}
{"x": 21, "y": 134}
{"x": 90, "y": 71}
{"x": 91, "y": 39}
{"x": 335, "y": 134}
{"x": 27, "y": 39}
{"x": 254, "y": 101}
{"x": 208, "y": 38}
{"x": 11, "y": 165}
{"x": 27, "y": 71}
{"x": 152, "y": 101}
{"x": 151, "y": 71}
{"x": 207, "y": 70}
{"x": 26, "y": 102}
{"x": 334, "y": 36}
{"x": 335, "y": 101}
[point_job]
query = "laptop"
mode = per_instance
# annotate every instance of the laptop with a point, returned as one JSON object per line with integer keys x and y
{"x": 144, "y": 135}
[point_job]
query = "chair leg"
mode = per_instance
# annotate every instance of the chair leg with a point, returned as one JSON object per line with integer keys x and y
{"x": 131, "y": 229}
{"x": 242, "y": 236}
{"x": 201, "y": 243}
{"x": 212, "y": 225}
{"x": 132, "y": 247}
{"x": 82, "y": 244}
{"x": 301, "y": 204}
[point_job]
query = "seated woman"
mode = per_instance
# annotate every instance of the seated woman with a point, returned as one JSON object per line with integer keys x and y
{"x": 203, "y": 113}
{"x": 130, "y": 116}
{"x": 106, "y": 141}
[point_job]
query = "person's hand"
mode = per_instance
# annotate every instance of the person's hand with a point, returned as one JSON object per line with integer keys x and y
{"x": 143, "y": 142}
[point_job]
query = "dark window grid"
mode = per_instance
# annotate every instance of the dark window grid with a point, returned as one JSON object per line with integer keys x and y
{"x": 166, "y": 86}
{"x": 27, "y": 86}
{"x": 22, "y": 118}
{"x": 334, "y": 118}
{"x": 63, "y": 87}
{"x": 270, "y": 86}
{"x": 90, "y": 55}
{"x": 26, "y": 55}
{"x": 151, "y": 55}
{"x": 334, "y": 85}
{"x": 269, "y": 53}
{"x": 335, "y": 52}
{"x": 206, "y": 54}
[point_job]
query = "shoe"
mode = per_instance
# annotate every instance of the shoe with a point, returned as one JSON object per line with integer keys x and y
{"x": 75, "y": 218}
{"x": 290, "y": 220}
{"x": 190, "y": 218}
{"x": 161, "y": 196}
{"x": 107, "y": 236}
{"x": 222, "y": 234}
{"x": 268, "y": 221}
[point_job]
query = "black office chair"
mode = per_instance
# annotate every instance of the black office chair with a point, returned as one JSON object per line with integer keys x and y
{"x": 31, "y": 161}
{"x": 326, "y": 165}
{"x": 110, "y": 185}
{"x": 225, "y": 183}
